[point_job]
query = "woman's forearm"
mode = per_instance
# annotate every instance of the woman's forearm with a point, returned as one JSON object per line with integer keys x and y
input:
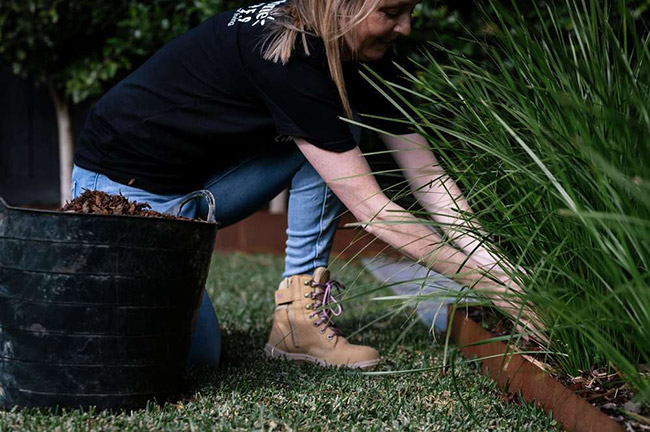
{"x": 441, "y": 197}
{"x": 395, "y": 226}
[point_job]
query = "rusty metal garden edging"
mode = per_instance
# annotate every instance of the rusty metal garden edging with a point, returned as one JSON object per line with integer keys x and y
{"x": 517, "y": 373}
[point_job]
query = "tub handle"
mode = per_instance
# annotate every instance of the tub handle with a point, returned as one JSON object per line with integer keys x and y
{"x": 4, "y": 217}
{"x": 205, "y": 194}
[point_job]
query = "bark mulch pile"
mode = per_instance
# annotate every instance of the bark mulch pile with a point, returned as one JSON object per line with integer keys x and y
{"x": 97, "y": 202}
{"x": 601, "y": 387}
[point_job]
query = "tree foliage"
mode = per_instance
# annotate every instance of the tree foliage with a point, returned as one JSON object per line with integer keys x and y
{"x": 143, "y": 28}
{"x": 81, "y": 48}
{"x": 41, "y": 38}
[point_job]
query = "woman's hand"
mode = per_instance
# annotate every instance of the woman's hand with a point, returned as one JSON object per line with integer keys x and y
{"x": 510, "y": 297}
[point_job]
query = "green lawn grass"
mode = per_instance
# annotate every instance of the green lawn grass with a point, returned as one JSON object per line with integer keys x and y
{"x": 252, "y": 392}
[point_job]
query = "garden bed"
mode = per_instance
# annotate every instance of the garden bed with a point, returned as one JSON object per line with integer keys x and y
{"x": 595, "y": 401}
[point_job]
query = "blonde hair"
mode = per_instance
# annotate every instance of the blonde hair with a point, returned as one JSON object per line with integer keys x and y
{"x": 330, "y": 20}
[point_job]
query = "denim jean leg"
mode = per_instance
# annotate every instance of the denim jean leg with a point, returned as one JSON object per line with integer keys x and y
{"x": 239, "y": 191}
{"x": 245, "y": 188}
{"x": 312, "y": 221}
{"x": 313, "y": 209}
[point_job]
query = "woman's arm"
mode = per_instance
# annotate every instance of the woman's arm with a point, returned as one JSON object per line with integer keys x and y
{"x": 440, "y": 196}
{"x": 349, "y": 177}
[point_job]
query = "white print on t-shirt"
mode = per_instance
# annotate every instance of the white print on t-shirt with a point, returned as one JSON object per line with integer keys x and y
{"x": 258, "y": 13}
{"x": 283, "y": 139}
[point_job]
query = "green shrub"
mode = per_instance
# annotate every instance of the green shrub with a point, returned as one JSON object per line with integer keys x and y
{"x": 548, "y": 137}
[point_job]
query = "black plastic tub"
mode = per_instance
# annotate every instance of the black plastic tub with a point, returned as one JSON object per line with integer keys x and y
{"x": 97, "y": 310}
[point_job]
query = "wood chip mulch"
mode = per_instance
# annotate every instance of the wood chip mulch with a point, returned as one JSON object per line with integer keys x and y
{"x": 606, "y": 389}
{"x": 101, "y": 203}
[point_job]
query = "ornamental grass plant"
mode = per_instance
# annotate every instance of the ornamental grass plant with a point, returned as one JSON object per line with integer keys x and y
{"x": 549, "y": 138}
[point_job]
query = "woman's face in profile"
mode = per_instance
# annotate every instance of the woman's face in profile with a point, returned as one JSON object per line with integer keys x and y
{"x": 390, "y": 20}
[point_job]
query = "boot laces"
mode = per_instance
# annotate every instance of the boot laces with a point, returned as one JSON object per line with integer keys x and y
{"x": 325, "y": 301}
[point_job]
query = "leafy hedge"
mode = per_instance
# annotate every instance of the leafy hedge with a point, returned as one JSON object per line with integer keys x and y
{"x": 82, "y": 47}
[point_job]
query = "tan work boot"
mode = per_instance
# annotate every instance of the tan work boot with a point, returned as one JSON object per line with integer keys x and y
{"x": 302, "y": 326}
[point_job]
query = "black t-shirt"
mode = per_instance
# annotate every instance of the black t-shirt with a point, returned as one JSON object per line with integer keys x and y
{"x": 208, "y": 99}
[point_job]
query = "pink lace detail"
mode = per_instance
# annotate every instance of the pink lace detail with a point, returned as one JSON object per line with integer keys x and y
{"x": 328, "y": 304}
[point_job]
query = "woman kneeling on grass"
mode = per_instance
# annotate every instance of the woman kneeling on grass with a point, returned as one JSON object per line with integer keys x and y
{"x": 249, "y": 103}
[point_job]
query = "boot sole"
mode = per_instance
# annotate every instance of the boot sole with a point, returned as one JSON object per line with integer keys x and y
{"x": 273, "y": 352}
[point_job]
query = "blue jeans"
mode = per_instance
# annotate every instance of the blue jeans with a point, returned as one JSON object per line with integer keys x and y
{"x": 239, "y": 191}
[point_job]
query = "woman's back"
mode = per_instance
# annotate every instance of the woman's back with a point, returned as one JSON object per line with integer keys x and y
{"x": 208, "y": 99}
{"x": 184, "y": 106}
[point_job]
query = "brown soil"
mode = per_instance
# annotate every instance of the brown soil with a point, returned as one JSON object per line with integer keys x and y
{"x": 603, "y": 388}
{"x": 97, "y": 202}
